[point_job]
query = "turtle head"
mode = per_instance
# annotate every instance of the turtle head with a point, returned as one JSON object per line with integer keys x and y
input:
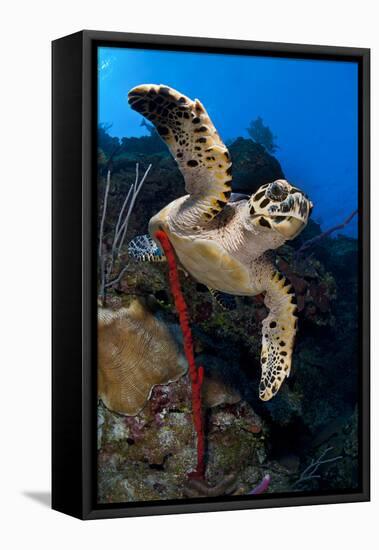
{"x": 281, "y": 207}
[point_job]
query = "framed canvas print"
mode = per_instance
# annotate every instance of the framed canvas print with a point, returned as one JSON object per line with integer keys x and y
{"x": 210, "y": 274}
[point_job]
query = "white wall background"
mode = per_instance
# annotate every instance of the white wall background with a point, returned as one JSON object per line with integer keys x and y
{"x": 27, "y": 29}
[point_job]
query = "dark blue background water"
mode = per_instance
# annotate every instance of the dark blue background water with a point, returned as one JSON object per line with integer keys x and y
{"x": 311, "y": 106}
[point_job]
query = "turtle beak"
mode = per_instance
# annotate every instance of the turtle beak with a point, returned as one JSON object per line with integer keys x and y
{"x": 292, "y": 214}
{"x": 288, "y": 226}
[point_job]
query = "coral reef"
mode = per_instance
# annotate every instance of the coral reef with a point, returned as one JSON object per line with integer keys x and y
{"x": 311, "y": 472}
{"x": 149, "y": 455}
{"x": 110, "y": 256}
{"x": 260, "y": 133}
{"x": 253, "y": 166}
{"x": 262, "y": 486}
{"x": 314, "y": 286}
{"x": 135, "y": 353}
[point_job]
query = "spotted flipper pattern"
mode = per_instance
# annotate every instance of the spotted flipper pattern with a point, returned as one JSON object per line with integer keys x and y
{"x": 226, "y": 301}
{"x": 144, "y": 249}
{"x": 193, "y": 141}
{"x": 278, "y": 335}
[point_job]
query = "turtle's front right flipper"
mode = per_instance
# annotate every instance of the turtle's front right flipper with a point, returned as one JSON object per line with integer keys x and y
{"x": 194, "y": 142}
{"x": 144, "y": 249}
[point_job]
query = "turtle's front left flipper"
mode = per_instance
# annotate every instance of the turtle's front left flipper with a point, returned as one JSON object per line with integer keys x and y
{"x": 278, "y": 335}
{"x": 144, "y": 249}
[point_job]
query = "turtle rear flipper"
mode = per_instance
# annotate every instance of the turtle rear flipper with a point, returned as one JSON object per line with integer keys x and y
{"x": 226, "y": 301}
{"x": 278, "y": 335}
{"x": 144, "y": 249}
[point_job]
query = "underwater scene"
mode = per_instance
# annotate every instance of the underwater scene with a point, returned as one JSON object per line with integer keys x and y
{"x": 228, "y": 288}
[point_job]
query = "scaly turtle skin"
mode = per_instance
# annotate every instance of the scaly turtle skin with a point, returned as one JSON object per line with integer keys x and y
{"x": 224, "y": 241}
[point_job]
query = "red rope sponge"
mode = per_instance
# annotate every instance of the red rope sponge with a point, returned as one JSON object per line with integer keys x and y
{"x": 196, "y": 374}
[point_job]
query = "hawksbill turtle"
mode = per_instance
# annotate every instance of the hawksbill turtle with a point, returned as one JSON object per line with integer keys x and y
{"x": 223, "y": 240}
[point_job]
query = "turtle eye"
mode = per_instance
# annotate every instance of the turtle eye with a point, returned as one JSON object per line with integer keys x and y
{"x": 276, "y": 192}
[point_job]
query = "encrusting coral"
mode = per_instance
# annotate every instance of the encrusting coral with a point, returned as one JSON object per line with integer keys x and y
{"x": 216, "y": 392}
{"x": 227, "y": 486}
{"x": 200, "y": 488}
{"x": 135, "y": 353}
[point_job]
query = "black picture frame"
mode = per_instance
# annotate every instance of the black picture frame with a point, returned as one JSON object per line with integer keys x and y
{"x": 74, "y": 89}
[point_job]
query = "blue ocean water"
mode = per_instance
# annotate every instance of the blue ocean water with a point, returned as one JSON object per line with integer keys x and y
{"x": 310, "y": 105}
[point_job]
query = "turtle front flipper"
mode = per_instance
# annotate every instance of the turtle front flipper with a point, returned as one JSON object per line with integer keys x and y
{"x": 144, "y": 249}
{"x": 278, "y": 335}
{"x": 193, "y": 141}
